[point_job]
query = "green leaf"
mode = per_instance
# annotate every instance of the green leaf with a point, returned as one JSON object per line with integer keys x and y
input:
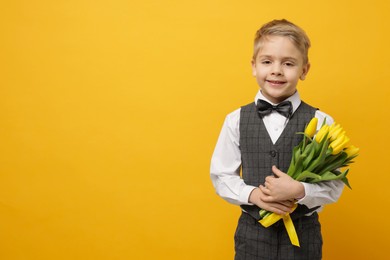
{"x": 321, "y": 157}
{"x": 342, "y": 176}
{"x": 317, "y": 149}
{"x": 311, "y": 150}
{"x": 296, "y": 153}
{"x": 346, "y": 182}
{"x": 323, "y": 167}
{"x": 336, "y": 163}
{"x": 294, "y": 161}
{"x": 328, "y": 176}
{"x": 308, "y": 148}
{"x": 291, "y": 168}
{"x": 349, "y": 159}
{"x": 306, "y": 174}
{"x": 344, "y": 173}
{"x": 298, "y": 166}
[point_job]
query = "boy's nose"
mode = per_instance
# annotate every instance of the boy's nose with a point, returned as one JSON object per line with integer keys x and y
{"x": 276, "y": 70}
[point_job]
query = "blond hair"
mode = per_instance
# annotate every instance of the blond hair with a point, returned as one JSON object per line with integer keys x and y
{"x": 286, "y": 29}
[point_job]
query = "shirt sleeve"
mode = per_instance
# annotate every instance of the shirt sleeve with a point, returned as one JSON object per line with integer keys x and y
{"x": 322, "y": 193}
{"x": 319, "y": 194}
{"x": 226, "y": 163}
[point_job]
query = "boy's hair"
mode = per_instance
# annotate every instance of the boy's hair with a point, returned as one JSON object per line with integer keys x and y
{"x": 286, "y": 29}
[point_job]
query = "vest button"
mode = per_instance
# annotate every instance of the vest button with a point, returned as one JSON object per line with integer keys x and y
{"x": 273, "y": 153}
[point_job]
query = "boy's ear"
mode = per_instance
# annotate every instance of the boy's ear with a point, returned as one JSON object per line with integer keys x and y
{"x": 305, "y": 71}
{"x": 253, "y": 68}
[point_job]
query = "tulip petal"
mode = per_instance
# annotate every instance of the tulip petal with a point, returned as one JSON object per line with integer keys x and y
{"x": 311, "y": 127}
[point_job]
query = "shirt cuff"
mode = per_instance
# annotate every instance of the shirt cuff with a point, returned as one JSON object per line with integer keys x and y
{"x": 307, "y": 199}
{"x": 245, "y": 193}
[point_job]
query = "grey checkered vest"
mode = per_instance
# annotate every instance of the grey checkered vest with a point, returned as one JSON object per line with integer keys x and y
{"x": 258, "y": 153}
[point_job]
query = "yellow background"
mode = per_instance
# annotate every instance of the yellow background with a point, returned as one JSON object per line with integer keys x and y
{"x": 110, "y": 110}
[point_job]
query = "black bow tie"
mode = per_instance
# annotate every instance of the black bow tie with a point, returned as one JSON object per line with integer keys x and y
{"x": 264, "y": 108}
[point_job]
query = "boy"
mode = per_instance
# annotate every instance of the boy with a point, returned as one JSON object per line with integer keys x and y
{"x": 259, "y": 138}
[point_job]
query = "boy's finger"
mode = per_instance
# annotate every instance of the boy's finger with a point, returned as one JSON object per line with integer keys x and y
{"x": 264, "y": 190}
{"x": 277, "y": 172}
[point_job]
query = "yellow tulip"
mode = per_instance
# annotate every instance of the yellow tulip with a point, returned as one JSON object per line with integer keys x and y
{"x": 311, "y": 127}
{"x": 338, "y": 140}
{"x": 351, "y": 150}
{"x": 321, "y": 133}
{"x": 334, "y": 131}
{"x": 339, "y": 144}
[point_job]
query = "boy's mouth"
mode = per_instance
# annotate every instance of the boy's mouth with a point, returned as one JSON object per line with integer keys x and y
{"x": 276, "y": 82}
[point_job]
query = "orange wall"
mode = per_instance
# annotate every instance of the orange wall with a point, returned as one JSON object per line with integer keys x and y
{"x": 110, "y": 110}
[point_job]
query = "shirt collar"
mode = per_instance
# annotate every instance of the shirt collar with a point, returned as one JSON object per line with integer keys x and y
{"x": 295, "y": 99}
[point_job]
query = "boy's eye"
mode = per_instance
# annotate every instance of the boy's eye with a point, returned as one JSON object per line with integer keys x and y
{"x": 265, "y": 62}
{"x": 289, "y": 64}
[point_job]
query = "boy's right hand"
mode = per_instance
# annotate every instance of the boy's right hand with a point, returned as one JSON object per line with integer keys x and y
{"x": 281, "y": 207}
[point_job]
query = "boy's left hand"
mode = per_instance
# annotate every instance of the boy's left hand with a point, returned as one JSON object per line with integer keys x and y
{"x": 282, "y": 187}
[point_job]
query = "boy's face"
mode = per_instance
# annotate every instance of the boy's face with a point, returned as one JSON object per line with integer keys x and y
{"x": 278, "y": 67}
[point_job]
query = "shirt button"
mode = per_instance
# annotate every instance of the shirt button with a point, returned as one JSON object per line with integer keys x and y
{"x": 273, "y": 153}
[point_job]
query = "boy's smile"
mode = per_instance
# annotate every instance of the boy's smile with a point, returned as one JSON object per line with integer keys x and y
{"x": 276, "y": 82}
{"x": 278, "y": 67}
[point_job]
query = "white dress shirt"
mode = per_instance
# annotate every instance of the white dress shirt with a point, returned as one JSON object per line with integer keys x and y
{"x": 226, "y": 160}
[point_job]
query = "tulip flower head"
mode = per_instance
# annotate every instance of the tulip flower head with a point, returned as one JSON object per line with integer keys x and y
{"x": 321, "y": 133}
{"x": 311, "y": 127}
{"x": 339, "y": 144}
{"x": 352, "y": 151}
{"x": 334, "y": 131}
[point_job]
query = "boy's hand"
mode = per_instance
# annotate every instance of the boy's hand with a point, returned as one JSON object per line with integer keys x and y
{"x": 282, "y": 208}
{"x": 282, "y": 187}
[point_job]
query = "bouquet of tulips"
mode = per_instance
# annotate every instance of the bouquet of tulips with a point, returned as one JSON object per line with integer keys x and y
{"x": 321, "y": 156}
